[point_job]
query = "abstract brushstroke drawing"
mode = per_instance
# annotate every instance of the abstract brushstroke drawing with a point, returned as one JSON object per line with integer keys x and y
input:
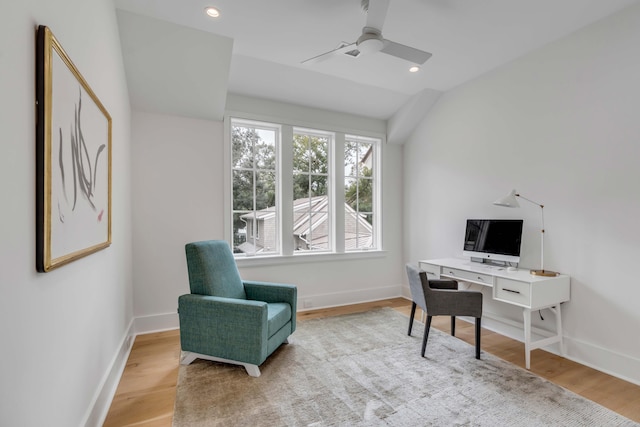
{"x": 73, "y": 161}
{"x": 84, "y": 168}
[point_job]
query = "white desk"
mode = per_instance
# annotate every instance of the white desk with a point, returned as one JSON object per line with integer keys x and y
{"x": 518, "y": 288}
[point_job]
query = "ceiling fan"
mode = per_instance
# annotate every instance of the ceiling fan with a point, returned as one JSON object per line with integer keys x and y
{"x": 371, "y": 40}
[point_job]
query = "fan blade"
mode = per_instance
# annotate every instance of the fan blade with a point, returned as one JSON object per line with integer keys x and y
{"x": 342, "y": 48}
{"x": 376, "y": 13}
{"x": 410, "y": 54}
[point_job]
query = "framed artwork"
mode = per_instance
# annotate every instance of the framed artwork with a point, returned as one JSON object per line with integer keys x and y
{"x": 73, "y": 160}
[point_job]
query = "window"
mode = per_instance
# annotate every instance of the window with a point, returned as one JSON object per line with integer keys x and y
{"x": 311, "y": 203}
{"x": 254, "y": 177}
{"x": 359, "y": 192}
{"x": 322, "y": 199}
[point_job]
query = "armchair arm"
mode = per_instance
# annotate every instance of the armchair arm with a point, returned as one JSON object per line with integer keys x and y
{"x": 274, "y": 292}
{"x": 230, "y": 328}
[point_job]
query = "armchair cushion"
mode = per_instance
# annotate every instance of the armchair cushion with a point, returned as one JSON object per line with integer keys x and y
{"x": 274, "y": 292}
{"x": 278, "y": 314}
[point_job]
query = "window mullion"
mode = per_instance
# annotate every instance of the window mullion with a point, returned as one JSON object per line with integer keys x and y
{"x": 228, "y": 183}
{"x": 337, "y": 189}
{"x": 309, "y": 235}
{"x": 254, "y": 222}
{"x": 285, "y": 192}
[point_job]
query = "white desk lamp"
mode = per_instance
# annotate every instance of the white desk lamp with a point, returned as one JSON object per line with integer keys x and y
{"x": 511, "y": 201}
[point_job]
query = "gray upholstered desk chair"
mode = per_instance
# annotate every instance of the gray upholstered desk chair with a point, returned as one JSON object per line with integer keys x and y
{"x": 442, "y": 298}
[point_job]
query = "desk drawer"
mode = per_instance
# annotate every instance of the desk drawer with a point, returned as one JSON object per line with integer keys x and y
{"x": 468, "y": 276}
{"x": 433, "y": 271}
{"x": 513, "y": 291}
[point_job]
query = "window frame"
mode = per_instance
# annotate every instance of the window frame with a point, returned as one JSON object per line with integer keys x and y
{"x": 330, "y": 136}
{"x": 376, "y": 207}
{"x": 284, "y": 192}
{"x": 255, "y": 228}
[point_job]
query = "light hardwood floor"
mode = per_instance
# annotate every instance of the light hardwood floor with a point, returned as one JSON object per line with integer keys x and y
{"x": 146, "y": 393}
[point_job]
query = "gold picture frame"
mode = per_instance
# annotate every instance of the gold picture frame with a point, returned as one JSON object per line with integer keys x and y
{"x": 73, "y": 160}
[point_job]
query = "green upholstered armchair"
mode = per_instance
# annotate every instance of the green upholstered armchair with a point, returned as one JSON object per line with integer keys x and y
{"x": 226, "y": 319}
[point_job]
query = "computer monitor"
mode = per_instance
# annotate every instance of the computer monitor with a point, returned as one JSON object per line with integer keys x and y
{"x": 493, "y": 240}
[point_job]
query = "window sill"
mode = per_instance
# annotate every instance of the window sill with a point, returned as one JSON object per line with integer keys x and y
{"x": 257, "y": 261}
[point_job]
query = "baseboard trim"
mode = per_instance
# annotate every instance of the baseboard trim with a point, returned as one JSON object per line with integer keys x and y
{"x": 338, "y": 299}
{"x": 156, "y": 323}
{"x": 610, "y": 362}
{"x": 619, "y": 365}
{"x": 169, "y": 321}
{"x": 100, "y": 404}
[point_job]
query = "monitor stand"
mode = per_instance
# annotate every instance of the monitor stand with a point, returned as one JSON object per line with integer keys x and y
{"x": 490, "y": 262}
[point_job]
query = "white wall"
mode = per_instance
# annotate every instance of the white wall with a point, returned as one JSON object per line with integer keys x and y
{"x": 178, "y": 191}
{"x": 177, "y": 198}
{"x": 63, "y": 332}
{"x": 561, "y": 126}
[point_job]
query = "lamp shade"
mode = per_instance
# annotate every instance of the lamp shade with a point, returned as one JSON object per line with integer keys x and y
{"x": 508, "y": 201}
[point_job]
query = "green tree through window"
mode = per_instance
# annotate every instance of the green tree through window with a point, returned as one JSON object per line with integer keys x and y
{"x": 359, "y": 193}
{"x": 254, "y": 187}
{"x": 311, "y": 220}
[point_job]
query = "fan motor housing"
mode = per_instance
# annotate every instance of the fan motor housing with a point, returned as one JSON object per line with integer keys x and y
{"x": 370, "y": 41}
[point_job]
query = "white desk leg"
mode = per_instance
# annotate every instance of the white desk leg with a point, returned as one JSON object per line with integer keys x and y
{"x": 556, "y": 310}
{"x": 527, "y": 337}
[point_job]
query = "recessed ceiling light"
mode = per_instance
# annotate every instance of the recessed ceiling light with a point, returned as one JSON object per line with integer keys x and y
{"x": 212, "y": 12}
{"x": 414, "y": 69}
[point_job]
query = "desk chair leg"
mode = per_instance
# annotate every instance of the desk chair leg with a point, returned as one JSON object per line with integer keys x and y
{"x": 426, "y": 334}
{"x": 477, "y": 338}
{"x": 453, "y": 326}
{"x": 413, "y": 313}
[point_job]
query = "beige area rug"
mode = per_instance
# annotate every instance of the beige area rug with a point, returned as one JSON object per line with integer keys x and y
{"x": 363, "y": 370}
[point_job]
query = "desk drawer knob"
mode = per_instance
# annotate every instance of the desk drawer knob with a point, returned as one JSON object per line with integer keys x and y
{"x": 480, "y": 278}
{"x": 511, "y": 290}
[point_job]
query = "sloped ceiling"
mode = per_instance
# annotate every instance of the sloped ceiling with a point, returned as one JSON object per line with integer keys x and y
{"x": 271, "y": 39}
{"x": 173, "y": 69}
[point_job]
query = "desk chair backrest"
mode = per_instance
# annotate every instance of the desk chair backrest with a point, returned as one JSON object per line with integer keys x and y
{"x": 213, "y": 270}
{"x": 415, "y": 285}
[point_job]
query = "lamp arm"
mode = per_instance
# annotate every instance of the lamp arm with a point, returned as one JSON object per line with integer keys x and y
{"x": 530, "y": 201}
